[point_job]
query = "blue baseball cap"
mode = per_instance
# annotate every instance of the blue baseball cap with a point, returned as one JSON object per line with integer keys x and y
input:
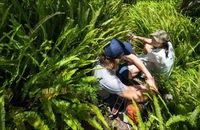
{"x": 116, "y": 49}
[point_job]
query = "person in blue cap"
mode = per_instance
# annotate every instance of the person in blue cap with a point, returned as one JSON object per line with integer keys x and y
{"x": 114, "y": 52}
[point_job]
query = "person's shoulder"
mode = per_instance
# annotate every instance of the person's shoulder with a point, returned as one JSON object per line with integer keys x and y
{"x": 157, "y": 52}
{"x": 99, "y": 67}
{"x": 170, "y": 44}
{"x": 170, "y": 47}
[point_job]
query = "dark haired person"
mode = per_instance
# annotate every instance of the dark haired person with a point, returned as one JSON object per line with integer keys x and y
{"x": 114, "y": 52}
{"x": 113, "y": 87}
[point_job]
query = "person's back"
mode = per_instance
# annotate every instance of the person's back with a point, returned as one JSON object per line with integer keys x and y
{"x": 159, "y": 57}
{"x": 109, "y": 62}
{"x": 108, "y": 80}
{"x": 158, "y": 62}
{"x": 108, "y": 65}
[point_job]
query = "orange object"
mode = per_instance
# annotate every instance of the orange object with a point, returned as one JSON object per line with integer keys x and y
{"x": 131, "y": 112}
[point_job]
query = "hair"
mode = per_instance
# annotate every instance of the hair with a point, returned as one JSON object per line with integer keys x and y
{"x": 166, "y": 47}
{"x": 110, "y": 64}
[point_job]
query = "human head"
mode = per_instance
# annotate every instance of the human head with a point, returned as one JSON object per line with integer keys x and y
{"x": 159, "y": 38}
{"x": 110, "y": 64}
{"x": 116, "y": 49}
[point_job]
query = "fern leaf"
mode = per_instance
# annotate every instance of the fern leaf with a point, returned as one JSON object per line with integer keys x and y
{"x": 89, "y": 79}
{"x": 5, "y": 15}
{"x": 99, "y": 115}
{"x": 158, "y": 112}
{"x": 165, "y": 105}
{"x": 32, "y": 118}
{"x": 150, "y": 121}
{"x": 175, "y": 119}
{"x": 2, "y": 112}
{"x": 68, "y": 75}
{"x": 194, "y": 116}
{"x": 95, "y": 15}
{"x": 63, "y": 36}
{"x": 44, "y": 20}
{"x": 92, "y": 121}
{"x": 72, "y": 122}
{"x": 48, "y": 111}
{"x": 65, "y": 109}
{"x": 65, "y": 61}
{"x": 140, "y": 122}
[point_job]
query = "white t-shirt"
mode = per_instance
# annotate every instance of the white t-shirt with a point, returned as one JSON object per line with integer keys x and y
{"x": 110, "y": 82}
{"x": 157, "y": 62}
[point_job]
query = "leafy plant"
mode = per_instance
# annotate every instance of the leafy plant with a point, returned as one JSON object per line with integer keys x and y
{"x": 47, "y": 48}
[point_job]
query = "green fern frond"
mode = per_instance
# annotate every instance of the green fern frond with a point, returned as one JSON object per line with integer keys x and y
{"x": 2, "y": 111}
{"x": 151, "y": 121}
{"x": 64, "y": 108}
{"x": 95, "y": 15}
{"x": 96, "y": 110}
{"x": 72, "y": 122}
{"x": 165, "y": 105}
{"x": 32, "y": 118}
{"x": 140, "y": 121}
{"x": 158, "y": 112}
{"x": 68, "y": 74}
{"x": 175, "y": 119}
{"x": 68, "y": 33}
{"x": 5, "y": 15}
{"x": 194, "y": 116}
{"x": 44, "y": 20}
{"x": 92, "y": 121}
{"x": 89, "y": 79}
{"x": 48, "y": 111}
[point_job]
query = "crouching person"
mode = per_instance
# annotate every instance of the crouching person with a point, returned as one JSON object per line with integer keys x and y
{"x": 108, "y": 65}
{"x": 116, "y": 94}
{"x": 112, "y": 84}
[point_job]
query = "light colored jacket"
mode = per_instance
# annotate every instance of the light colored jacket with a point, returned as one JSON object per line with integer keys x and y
{"x": 157, "y": 62}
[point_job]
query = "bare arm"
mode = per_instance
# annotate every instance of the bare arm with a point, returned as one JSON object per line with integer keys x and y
{"x": 133, "y": 93}
{"x": 147, "y": 40}
{"x": 139, "y": 64}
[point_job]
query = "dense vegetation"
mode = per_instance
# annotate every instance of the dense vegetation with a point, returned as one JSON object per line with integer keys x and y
{"x": 47, "y": 48}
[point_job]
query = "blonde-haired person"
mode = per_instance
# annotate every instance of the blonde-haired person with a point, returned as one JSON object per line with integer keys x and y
{"x": 159, "y": 58}
{"x": 159, "y": 54}
{"x": 114, "y": 52}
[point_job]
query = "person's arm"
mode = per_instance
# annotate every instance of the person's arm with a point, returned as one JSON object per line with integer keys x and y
{"x": 148, "y": 48}
{"x": 139, "y": 64}
{"x": 131, "y": 92}
{"x": 147, "y": 40}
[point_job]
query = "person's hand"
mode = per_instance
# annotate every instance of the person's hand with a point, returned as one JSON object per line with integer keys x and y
{"x": 152, "y": 84}
{"x": 131, "y": 35}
